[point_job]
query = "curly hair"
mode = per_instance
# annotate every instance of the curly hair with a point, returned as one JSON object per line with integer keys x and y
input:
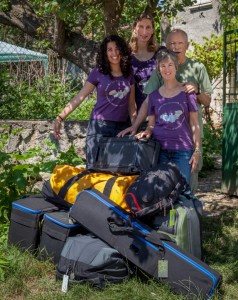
{"x": 125, "y": 53}
{"x": 152, "y": 43}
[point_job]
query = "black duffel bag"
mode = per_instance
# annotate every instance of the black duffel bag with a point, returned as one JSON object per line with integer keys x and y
{"x": 155, "y": 190}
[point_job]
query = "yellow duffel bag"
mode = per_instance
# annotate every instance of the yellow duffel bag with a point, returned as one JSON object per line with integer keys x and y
{"x": 67, "y": 181}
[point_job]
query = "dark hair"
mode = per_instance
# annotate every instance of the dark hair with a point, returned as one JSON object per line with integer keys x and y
{"x": 152, "y": 43}
{"x": 125, "y": 53}
{"x": 164, "y": 54}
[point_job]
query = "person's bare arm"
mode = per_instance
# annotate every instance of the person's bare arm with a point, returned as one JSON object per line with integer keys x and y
{"x": 149, "y": 129}
{"x": 194, "y": 125}
{"x": 71, "y": 106}
{"x": 142, "y": 114}
{"x": 202, "y": 98}
{"x": 132, "y": 105}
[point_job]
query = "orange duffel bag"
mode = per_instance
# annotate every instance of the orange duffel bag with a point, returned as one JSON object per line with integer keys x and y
{"x": 67, "y": 181}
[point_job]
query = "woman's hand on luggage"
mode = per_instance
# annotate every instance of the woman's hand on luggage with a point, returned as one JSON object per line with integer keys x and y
{"x": 130, "y": 130}
{"x": 143, "y": 134}
{"x": 57, "y": 126}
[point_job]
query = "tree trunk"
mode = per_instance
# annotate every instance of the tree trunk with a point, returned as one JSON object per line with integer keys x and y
{"x": 70, "y": 45}
{"x": 112, "y": 12}
{"x": 164, "y": 28}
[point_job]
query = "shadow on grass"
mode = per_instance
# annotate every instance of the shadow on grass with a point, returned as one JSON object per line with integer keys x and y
{"x": 220, "y": 243}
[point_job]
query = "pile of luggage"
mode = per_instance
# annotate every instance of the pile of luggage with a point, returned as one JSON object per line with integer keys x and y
{"x": 98, "y": 225}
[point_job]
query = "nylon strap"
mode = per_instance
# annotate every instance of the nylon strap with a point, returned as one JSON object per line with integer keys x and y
{"x": 109, "y": 185}
{"x": 63, "y": 191}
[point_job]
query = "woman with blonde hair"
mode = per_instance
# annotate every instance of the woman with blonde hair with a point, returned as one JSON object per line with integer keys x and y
{"x": 144, "y": 47}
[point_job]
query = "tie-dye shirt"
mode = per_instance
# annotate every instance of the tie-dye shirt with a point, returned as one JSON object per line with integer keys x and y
{"x": 142, "y": 71}
{"x": 112, "y": 96}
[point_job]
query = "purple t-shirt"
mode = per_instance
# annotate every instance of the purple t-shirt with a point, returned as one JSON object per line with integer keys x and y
{"x": 112, "y": 96}
{"x": 142, "y": 71}
{"x": 172, "y": 128}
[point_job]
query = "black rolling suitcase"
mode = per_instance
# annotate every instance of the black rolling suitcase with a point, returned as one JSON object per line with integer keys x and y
{"x": 57, "y": 226}
{"x": 152, "y": 252}
{"x": 126, "y": 155}
{"x": 25, "y": 221}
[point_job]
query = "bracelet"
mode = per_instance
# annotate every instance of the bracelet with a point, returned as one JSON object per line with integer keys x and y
{"x": 198, "y": 151}
{"x": 60, "y": 118}
{"x": 149, "y": 128}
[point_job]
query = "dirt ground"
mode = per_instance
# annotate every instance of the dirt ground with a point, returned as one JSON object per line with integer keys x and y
{"x": 209, "y": 192}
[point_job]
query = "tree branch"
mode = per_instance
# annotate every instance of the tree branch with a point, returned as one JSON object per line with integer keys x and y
{"x": 151, "y": 7}
{"x": 72, "y": 46}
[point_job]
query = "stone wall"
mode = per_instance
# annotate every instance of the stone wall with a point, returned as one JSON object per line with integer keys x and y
{"x": 25, "y": 135}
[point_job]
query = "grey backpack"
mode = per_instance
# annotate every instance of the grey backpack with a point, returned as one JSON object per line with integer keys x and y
{"x": 86, "y": 258}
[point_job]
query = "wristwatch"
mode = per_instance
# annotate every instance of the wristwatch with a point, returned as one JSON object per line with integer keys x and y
{"x": 199, "y": 91}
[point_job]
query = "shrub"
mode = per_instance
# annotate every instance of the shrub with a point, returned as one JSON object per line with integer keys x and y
{"x": 212, "y": 146}
{"x": 42, "y": 100}
{"x": 18, "y": 176}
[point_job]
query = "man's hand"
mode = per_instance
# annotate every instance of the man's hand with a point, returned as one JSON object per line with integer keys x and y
{"x": 190, "y": 87}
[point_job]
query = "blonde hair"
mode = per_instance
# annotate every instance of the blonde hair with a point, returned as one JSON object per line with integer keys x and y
{"x": 152, "y": 43}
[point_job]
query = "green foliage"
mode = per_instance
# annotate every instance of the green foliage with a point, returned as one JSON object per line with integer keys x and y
{"x": 171, "y": 8}
{"x": 229, "y": 14}
{"x": 41, "y": 101}
{"x": 18, "y": 174}
{"x": 87, "y": 17}
{"x": 212, "y": 146}
{"x": 5, "y": 5}
{"x": 210, "y": 53}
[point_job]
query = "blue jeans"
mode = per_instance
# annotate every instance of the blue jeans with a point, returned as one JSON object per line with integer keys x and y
{"x": 96, "y": 130}
{"x": 180, "y": 158}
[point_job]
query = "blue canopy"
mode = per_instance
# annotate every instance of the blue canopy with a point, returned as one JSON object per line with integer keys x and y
{"x": 13, "y": 53}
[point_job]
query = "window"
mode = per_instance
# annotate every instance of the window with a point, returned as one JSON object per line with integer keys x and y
{"x": 201, "y": 4}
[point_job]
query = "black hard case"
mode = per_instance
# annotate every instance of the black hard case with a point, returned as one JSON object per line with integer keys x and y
{"x": 186, "y": 274}
{"x": 57, "y": 226}
{"x": 25, "y": 221}
{"x": 126, "y": 155}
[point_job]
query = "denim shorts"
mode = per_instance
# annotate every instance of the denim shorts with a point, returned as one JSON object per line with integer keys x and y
{"x": 181, "y": 158}
{"x": 96, "y": 130}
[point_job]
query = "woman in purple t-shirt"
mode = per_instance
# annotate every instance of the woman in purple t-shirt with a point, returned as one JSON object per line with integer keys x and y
{"x": 144, "y": 46}
{"x": 113, "y": 79}
{"x": 173, "y": 118}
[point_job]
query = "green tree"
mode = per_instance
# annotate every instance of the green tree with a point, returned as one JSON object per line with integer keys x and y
{"x": 229, "y": 14}
{"x": 72, "y": 28}
{"x": 210, "y": 53}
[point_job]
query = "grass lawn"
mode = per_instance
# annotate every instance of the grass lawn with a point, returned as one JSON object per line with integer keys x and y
{"x": 22, "y": 276}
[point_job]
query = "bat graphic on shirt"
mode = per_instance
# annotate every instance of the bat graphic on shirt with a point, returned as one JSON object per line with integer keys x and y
{"x": 119, "y": 94}
{"x": 171, "y": 118}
